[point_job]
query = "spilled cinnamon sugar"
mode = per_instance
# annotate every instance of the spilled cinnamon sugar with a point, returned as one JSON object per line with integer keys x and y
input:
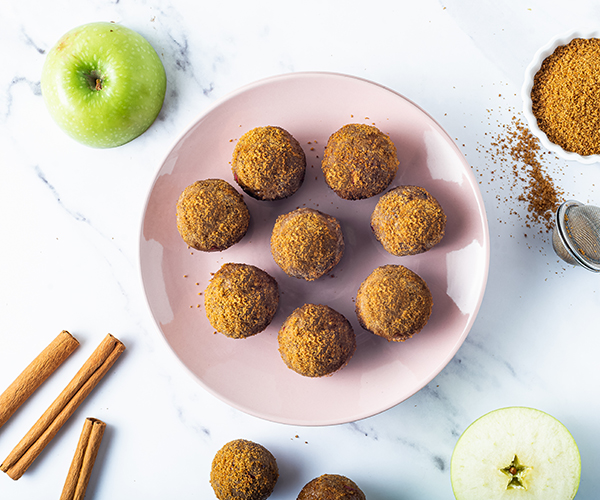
{"x": 519, "y": 163}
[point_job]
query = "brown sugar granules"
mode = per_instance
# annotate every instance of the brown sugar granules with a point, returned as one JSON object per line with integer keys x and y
{"x": 540, "y": 194}
{"x": 518, "y": 160}
{"x": 566, "y": 96}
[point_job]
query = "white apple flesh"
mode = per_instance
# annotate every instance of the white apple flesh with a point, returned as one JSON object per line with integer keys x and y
{"x": 103, "y": 84}
{"x": 515, "y": 453}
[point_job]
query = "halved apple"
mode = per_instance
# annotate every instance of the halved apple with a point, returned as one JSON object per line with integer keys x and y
{"x": 515, "y": 452}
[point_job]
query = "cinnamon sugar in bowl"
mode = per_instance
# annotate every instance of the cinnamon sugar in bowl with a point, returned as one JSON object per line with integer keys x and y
{"x": 561, "y": 96}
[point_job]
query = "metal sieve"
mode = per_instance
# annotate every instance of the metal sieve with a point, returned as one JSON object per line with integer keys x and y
{"x": 576, "y": 235}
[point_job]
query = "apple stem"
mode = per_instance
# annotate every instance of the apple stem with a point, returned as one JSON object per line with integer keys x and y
{"x": 94, "y": 79}
{"x": 513, "y": 470}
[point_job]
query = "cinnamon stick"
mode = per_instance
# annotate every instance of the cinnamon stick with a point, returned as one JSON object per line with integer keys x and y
{"x": 83, "y": 460}
{"x": 35, "y": 374}
{"x": 42, "y": 432}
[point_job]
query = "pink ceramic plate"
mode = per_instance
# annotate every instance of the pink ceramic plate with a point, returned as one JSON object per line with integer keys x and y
{"x": 249, "y": 374}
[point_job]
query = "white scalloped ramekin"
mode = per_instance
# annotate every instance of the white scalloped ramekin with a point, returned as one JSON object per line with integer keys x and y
{"x": 530, "y": 72}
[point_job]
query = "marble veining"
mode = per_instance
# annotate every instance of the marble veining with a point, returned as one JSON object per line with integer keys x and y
{"x": 34, "y": 87}
{"x": 75, "y": 215}
{"x": 70, "y": 222}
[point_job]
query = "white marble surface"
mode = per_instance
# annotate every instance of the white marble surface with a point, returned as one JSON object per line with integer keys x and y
{"x": 70, "y": 216}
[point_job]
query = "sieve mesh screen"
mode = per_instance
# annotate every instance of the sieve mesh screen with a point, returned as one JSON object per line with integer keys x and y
{"x": 576, "y": 235}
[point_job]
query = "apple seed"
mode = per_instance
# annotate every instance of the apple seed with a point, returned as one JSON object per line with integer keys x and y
{"x": 516, "y": 474}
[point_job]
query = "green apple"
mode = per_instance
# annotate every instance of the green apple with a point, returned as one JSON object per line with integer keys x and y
{"x": 515, "y": 453}
{"x": 103, "y": 84}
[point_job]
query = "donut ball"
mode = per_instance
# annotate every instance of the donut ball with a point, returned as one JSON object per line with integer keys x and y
{"x": 211, "y": 215}
{"x": 306, "y": 243}
{"x": 407, "y": 220}
{"x": 359, "y": 161}
{"x": 241, "y": 300}
{"x": 394, "y": 303}
{"x": 243, "y": 470}
{"x": 331, "y": 487}
{"x": 268, "y": 163}
{"x": 316, "y": 340}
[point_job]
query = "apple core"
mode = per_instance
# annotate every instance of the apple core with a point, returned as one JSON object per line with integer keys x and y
{"x": 516, "y": 474}
{"x": 515, "y": 452}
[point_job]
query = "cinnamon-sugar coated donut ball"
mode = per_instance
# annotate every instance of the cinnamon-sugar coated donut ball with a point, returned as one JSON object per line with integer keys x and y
{"x": 331, "y": 487}
{"x": 307, "y": 243}
{"x": 394, "y": 303}
{"x": 407, "y": 220}
{"x": 241, "y": 300}
{"x": 243, "y": 470}
{"x": 268, "y": 163}
{"x": 315, "y": 340}
{"x": 211, "y": 215}
{"x": 359, "y": 161}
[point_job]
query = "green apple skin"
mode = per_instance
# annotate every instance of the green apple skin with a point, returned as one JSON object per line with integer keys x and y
{"x": 103, "y": 84}
{"x": 540, "y": 442}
